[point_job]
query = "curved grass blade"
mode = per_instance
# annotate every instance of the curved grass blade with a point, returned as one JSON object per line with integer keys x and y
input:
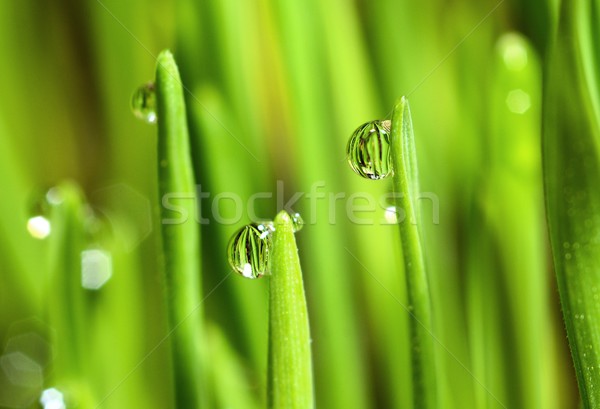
{"x": 571, "y": 155}
{"x": 290, "y": 382}
{"x": 181, "y": 238}
{"x": 406, "y": 187}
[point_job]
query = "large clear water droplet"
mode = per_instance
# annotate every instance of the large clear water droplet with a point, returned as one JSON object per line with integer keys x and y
{"x": 143, "y": 103}
{"x": 248, "y": 250}
{"x": 369, "y": 152}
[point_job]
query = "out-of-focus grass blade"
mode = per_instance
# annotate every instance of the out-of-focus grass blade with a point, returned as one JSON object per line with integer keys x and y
{"x": 571, "y": 153}
{"x": 406, "y": 187}
{"x": 507, "y": 282}
{"x": 228, "y": 372}
{"x": 336, "y": 328}
{"x": 290, "y": 364}
{"x": 18, "y": 248}
{"x": 68, "y": 308}
{"x": 485, "y": 308}
{"x": 181, "y": 239}
{"x": 241, "y": 305}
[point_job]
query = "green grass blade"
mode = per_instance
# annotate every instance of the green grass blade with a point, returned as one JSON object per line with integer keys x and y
{"x": 227, "y": 370}
{"x": 571, "y": 149}
{"x": 290, "y": 365}
{"x": 406, "y": 187}
{"x": 181, "y": 239}
{"x": 337, "y": 331}
{"x": 518, "y": 266}
{"x": 68, "y": 307}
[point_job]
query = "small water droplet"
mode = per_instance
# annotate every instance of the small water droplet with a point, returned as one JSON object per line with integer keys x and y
{"x": 38, "y": 210}
{"x": 391, "y": 215}
{"x": 514, "y": 51}
{"x": 568, "y": 256}
{"x": 248, "y": 250}
{"x": 297, "y": 222}
{"x": 368, "y": 150}
{"x": 39, "y": 227}
{"x": 53, "y": 196}
{"x": 518, "y": 101}
{"x": 52, "y": 399}
{"x": 143, "y": 103}
{"x": 96, "y": 268}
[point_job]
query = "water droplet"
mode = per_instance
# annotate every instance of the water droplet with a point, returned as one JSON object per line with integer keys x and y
{"x": 53, "y": 196}
{"x": 52, "y": 399}
{"x": 368, "y": 150}
{"x": 39, "y": 227}
{"x": 96, "y": 268}
{"x": 297, "y": 222}
{"x": 514, "y": 51}
{"x": 248, "y": 250}
{"x": 518, "y": 101}
{"x": 38, "y": 223}
{"x": 143, "y": 103}
{"x": 391, "y": 215}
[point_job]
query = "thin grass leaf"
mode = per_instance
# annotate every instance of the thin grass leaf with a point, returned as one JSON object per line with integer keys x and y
{"x": 210, "y": 139}
{"x": 290, "y": 382}
{"x": 299, "y": 37}
{"x": 181, "y": 239}
{"x": 228, "y": 371}
{"x": 406, "y": 187}
{"x": 68, "y": 306}
{"x": 571, "y": 153}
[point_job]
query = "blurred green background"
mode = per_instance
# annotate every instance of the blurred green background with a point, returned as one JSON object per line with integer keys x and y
{"x": 274, "y": 89}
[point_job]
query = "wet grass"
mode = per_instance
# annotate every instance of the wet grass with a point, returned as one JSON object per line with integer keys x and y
{"x": 269, "y": 92}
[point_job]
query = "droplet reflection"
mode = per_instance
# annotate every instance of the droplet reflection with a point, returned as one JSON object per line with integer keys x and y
{"x": 368, "y": 150}
{"x": 248, "y": 250}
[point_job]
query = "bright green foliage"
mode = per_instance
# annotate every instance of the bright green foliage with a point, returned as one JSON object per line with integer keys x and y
{"x": 290, "y": 374}
{"x": 406, "y": 187}
{"x": 180, "y": 234}
{"x": 269, "y": 94}
{"x": 572, "y": 170}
